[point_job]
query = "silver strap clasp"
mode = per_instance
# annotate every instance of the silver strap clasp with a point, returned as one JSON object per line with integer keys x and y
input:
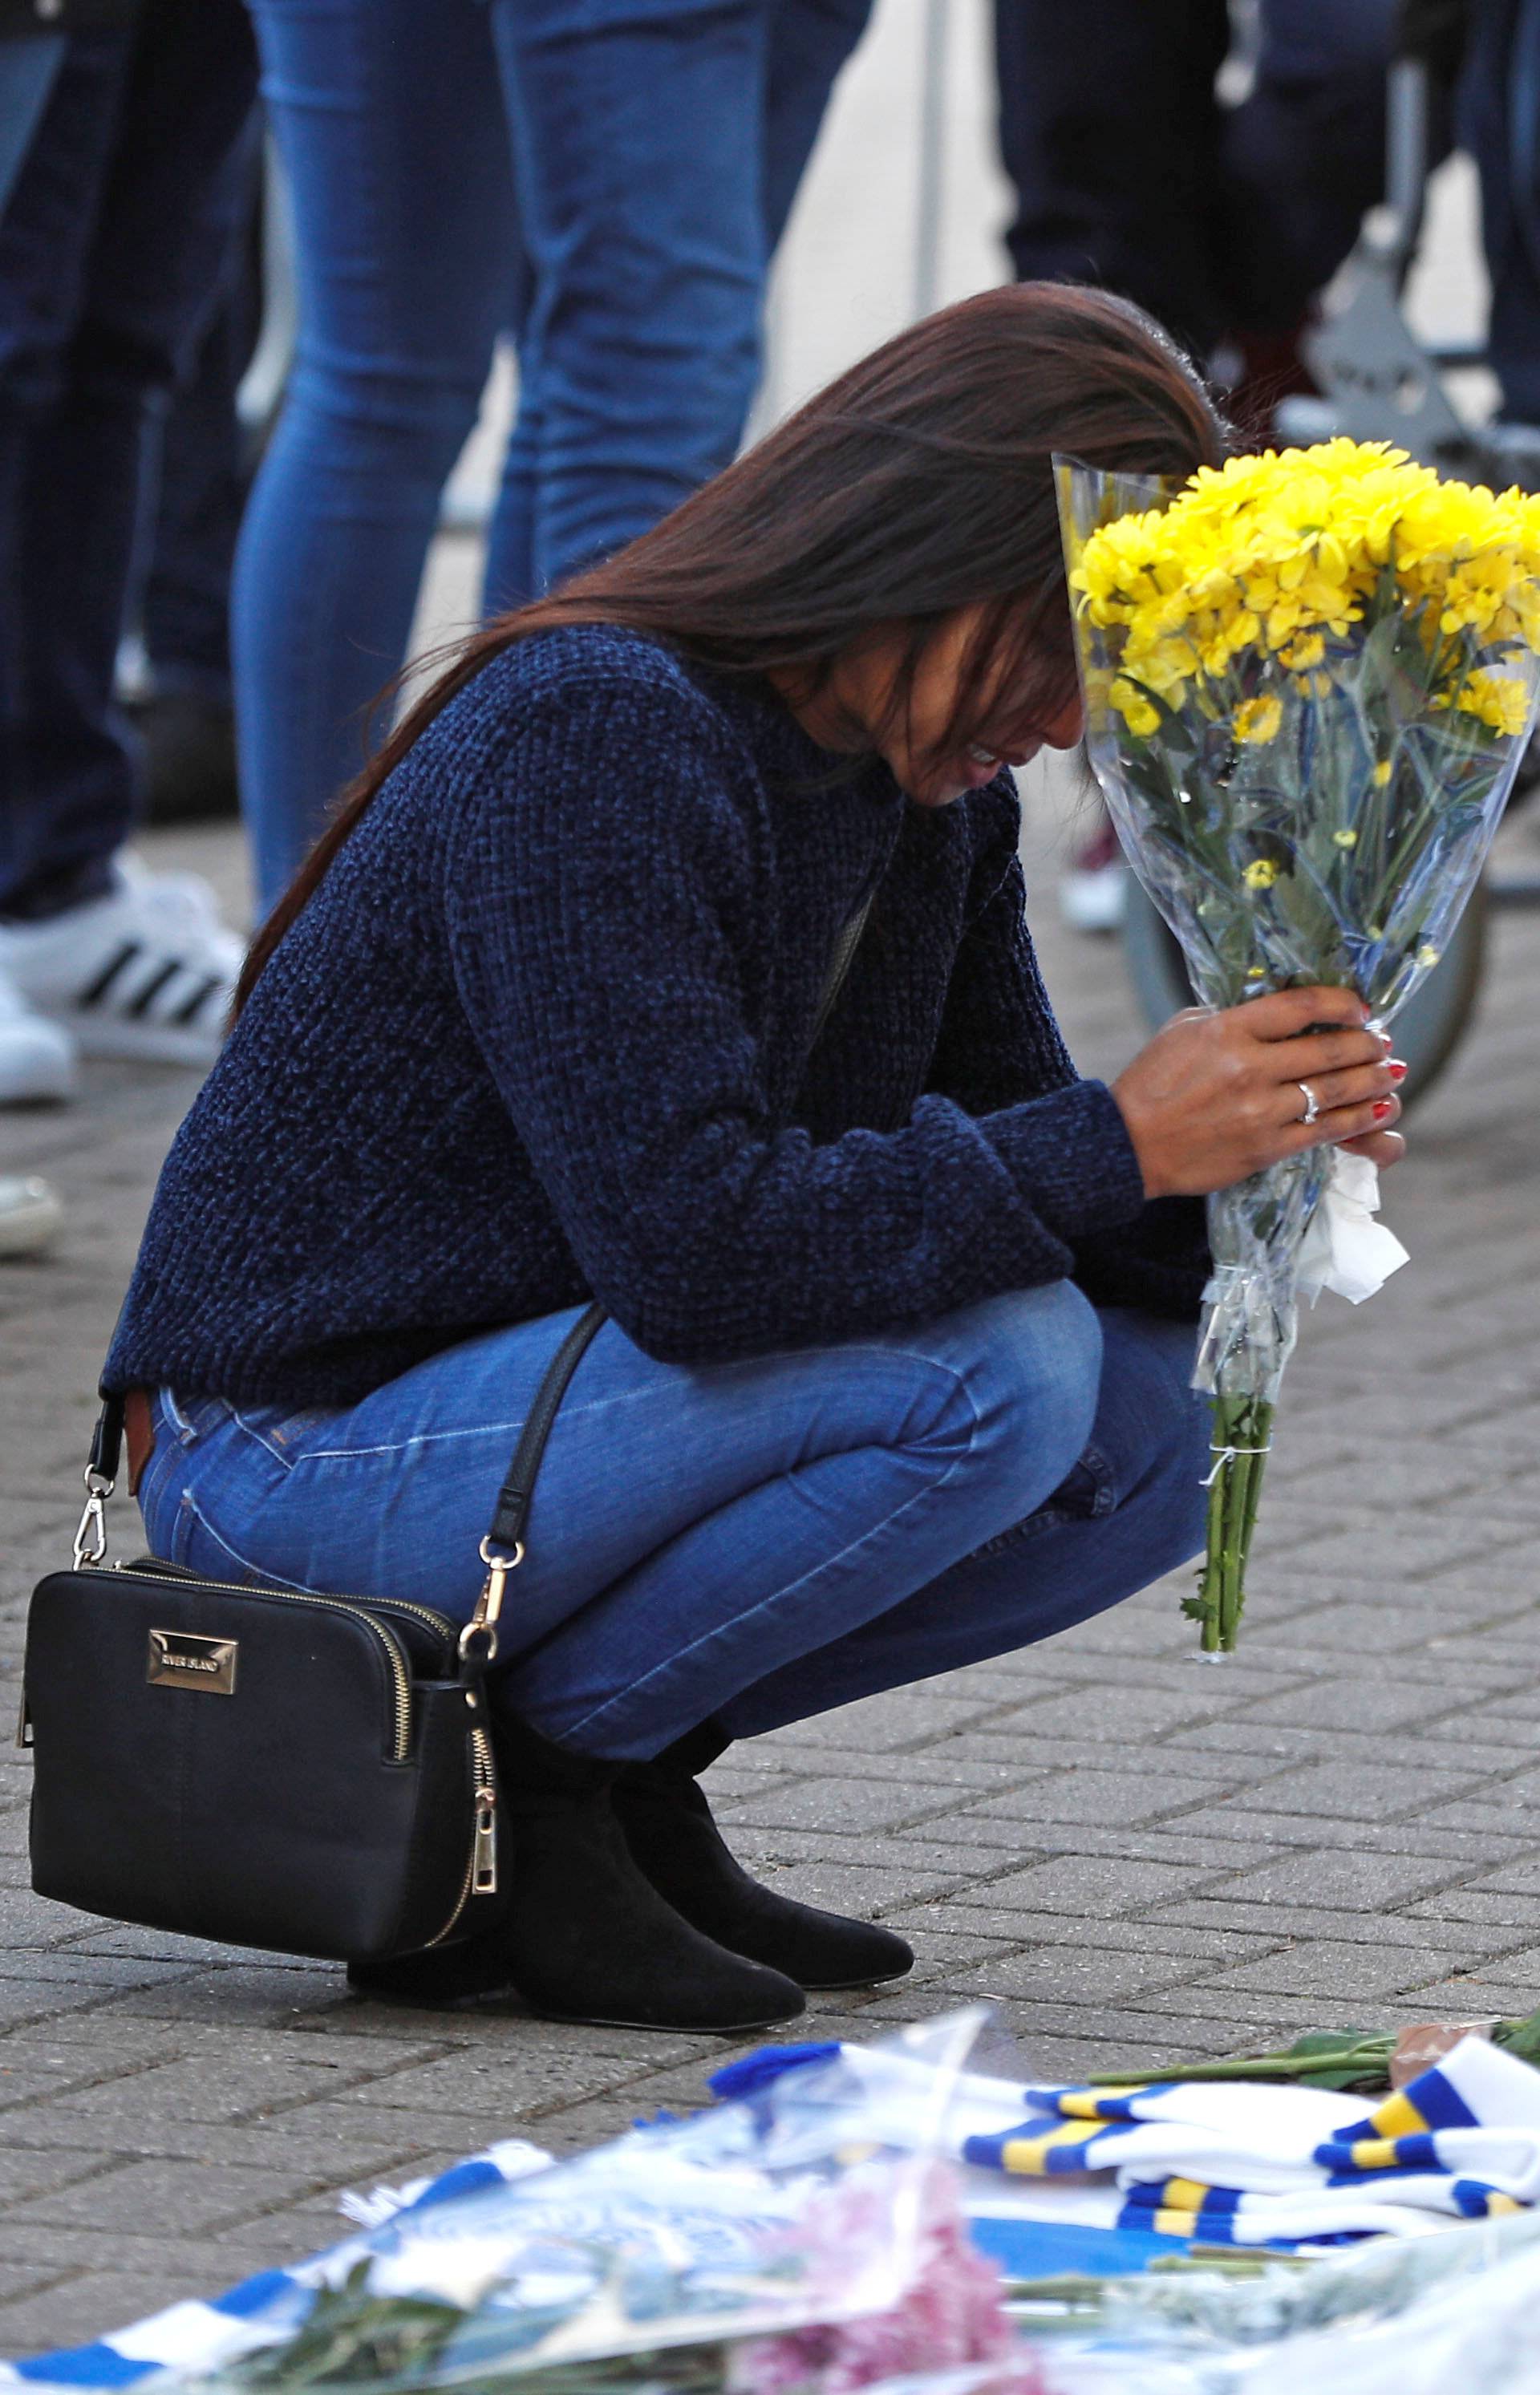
{"x": 90, "y": 1539}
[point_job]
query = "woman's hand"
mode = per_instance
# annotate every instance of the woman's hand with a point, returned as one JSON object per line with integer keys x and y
{"x": 1216, "y": 1097}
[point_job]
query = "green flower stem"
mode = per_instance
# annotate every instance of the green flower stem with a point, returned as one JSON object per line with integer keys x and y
{"x": 1328, "y": 2057}
{"x": 1243, "y": 1424}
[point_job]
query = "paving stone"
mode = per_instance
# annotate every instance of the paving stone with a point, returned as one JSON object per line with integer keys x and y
{"x": 1473, "y": 1906}
{"x": 217, "y": 2090}
{"x": 37, "y": 2319}
{"x": 1090, "y": 1885}
{"x": 1350, "y": 1702}
{"x": 853, "y": 1888}
{"x": 258, "y": 1995}
{"x": 960, "y": 1857}
{"x": 1104, "y": 1798}
{"x": 1066, "y": 1974}
{"x": 1145, "y": 1935}
{"x": 815, "y": 1804}
{"x": 1219, "y": 1824}
{"x": 486, "y": 2086}
{"x": 51, "y": 2247}
{"x": 205, "y": 2198}
{"x": 1323, "y": 1966}
{"x": 1370, "y": 1929}
{"x": 1348, "y": 1791}
{"x": 1353, "y": 1880}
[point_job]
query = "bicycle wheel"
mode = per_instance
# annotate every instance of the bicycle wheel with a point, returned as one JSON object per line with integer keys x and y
{"x": 1427, "y": 1031}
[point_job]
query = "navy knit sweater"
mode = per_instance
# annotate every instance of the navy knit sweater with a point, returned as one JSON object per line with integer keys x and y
{"x": 540, "y": 1036}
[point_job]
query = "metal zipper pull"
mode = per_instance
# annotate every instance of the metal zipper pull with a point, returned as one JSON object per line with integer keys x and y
{"x": 484, "y": 1844}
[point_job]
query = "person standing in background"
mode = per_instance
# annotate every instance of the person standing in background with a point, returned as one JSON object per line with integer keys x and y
{"x": 180, "y": 696}
{"x": 605, "y": 178}
{"x": 113, "y": 240}
{"x": 1224, "y": 219}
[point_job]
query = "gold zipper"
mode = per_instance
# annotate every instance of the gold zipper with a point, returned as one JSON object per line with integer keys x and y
{"x": 481, "y": 1864}
{"x": 447, "y": 1628}
{"x": 396, "y": 1660}
{"x": 484, "y": 1846}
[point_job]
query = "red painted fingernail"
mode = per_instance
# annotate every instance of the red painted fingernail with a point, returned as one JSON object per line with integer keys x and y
{"x": 1387, "y": 1040}
{"x": 1395, "y": 1070}
{"x": 1386, "y": 1106}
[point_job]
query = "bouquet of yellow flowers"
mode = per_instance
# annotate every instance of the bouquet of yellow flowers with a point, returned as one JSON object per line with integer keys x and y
{"x": 1308, "y": 678}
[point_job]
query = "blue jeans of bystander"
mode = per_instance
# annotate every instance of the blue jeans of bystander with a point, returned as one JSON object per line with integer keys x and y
{"x": 605, "y": 180}
{"x": 112, "y": 242}
{"x": 757, "y": 1541}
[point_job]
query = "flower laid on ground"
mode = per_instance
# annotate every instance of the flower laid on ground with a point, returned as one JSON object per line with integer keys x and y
{"x": 1309, "y": 678}
{"x": 447, "y": 2314}
{"x": 949, "y": 2315}
{"x": 1356, "y": 2060}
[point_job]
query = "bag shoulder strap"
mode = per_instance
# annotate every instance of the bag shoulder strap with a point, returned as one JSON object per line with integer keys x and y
{"x": 504, "y": 1542}
{"x": 512, "y": 1507}
{"x": 840, "y": 963}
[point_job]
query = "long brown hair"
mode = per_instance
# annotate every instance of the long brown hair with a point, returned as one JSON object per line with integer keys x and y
{"x": 917, "y": 484}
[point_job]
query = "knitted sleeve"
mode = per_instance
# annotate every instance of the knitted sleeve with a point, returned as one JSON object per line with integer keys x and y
{"x": 1000, "y": 1043}
{"x": 605, "y": 900}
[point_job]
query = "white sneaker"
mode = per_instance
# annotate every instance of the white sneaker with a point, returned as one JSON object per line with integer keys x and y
{"x": 147, "y": 972}
{"x": 37, "y": 1060}
{"x": 30, "y": 1215}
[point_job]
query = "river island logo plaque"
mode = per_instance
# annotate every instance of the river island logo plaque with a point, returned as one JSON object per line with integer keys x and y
{"x": 178, "y": 1658}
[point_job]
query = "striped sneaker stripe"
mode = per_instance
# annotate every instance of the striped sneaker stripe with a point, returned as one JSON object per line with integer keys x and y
{"x": 144, "y": 997}
{"x": 95, "y": 991}
{"x": 190, "y": 1008}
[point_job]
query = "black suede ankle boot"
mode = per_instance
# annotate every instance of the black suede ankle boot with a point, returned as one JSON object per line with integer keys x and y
{"x": 581, "y": 1933}
{"x": 670, "y": 1833}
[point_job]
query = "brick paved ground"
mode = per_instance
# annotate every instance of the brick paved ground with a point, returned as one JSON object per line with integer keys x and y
{"x": 1136, "y": 1854}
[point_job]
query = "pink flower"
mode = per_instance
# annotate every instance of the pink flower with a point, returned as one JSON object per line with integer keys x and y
{"x": 949, "y": 2315}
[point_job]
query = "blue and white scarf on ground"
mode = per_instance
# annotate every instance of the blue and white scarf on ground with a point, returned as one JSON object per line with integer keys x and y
{"x": 1240, "y": 2164}
{"x": 198, "y": 2337}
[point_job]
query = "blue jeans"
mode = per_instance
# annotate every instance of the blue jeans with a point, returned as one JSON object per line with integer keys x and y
{"x": 1500, "y": 126}
{"x": 198, "y": 489}
{"x": 604, "y": 178}
{"x": 112, "y": 247}
{"x": 757, "y": 1541}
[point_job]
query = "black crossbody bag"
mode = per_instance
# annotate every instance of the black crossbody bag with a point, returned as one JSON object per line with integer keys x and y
{"x": 307, "y": 1773}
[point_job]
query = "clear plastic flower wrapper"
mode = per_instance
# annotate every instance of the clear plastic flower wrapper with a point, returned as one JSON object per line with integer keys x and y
{"x": 792, "y": 2243}
{"x": 1453, "y": 2314}
{"x": 811, "y": 2236}
{"x": 1308, "y": 680}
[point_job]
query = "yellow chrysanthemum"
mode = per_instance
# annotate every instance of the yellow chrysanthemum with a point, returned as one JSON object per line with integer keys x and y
{"x": 1499, "y": 700}
{"x": 1258, "y": 719}
{"x": 1284, "y": 551}
{"x": 1136, "y": 710}
{"x": 1261, "y": 874}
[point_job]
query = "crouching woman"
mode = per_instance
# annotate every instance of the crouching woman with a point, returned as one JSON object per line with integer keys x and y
{"x": 894, "y": 1373}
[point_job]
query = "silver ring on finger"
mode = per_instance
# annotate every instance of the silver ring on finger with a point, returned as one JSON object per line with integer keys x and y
{"x": 1313, "y": 1109}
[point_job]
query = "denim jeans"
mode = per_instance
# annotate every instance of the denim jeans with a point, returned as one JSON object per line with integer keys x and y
{"x": 1500, "y": 126}
{"x": 112, "y": 248}
{"x": 29, "y": 63}
{"x": 196, "y": 490}
{"x": 756, "y": 1540}
{"x": 1128, "y": 173}
{"x": 604, "y": 178}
